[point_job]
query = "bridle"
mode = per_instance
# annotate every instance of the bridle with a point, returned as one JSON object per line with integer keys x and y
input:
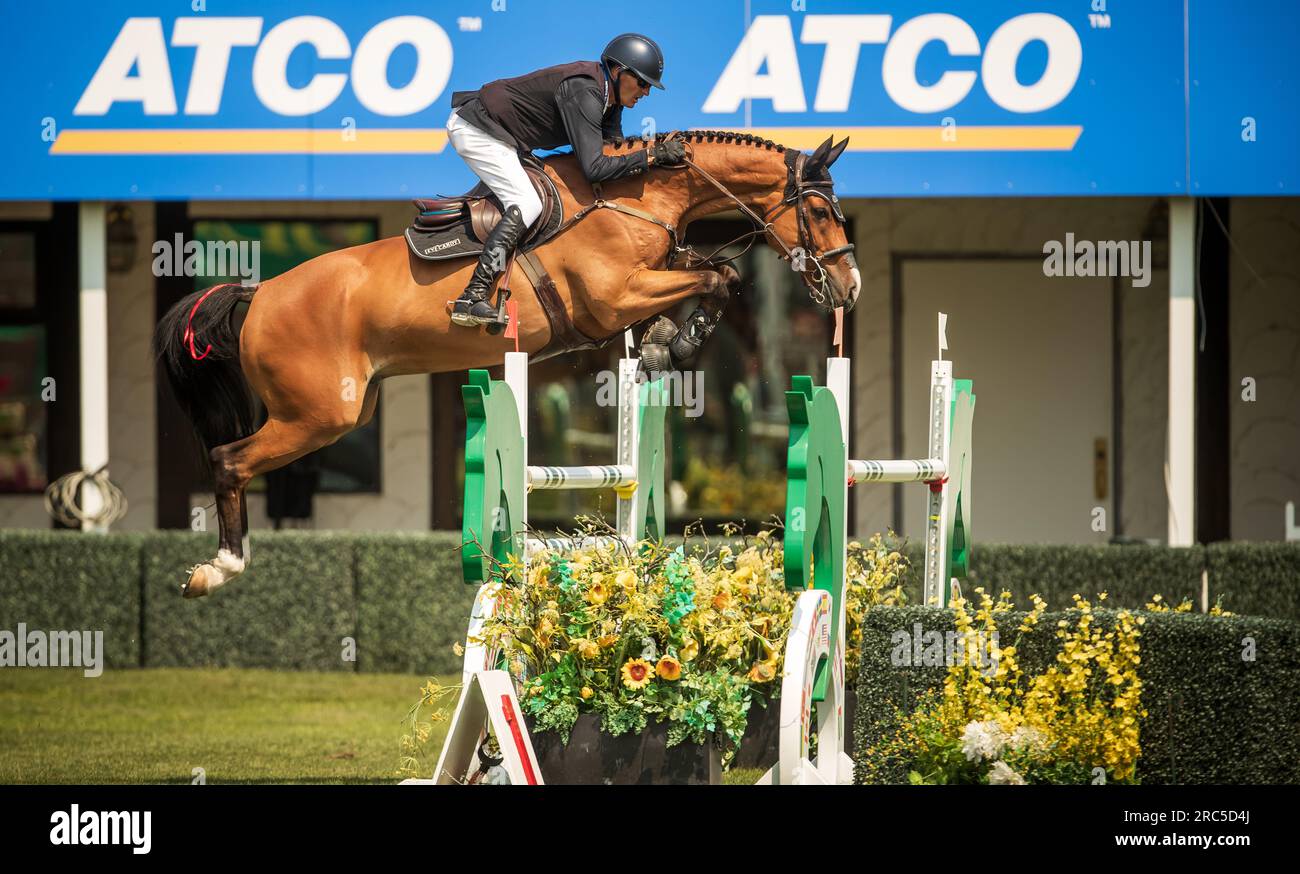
{"x": 797, "y": 191}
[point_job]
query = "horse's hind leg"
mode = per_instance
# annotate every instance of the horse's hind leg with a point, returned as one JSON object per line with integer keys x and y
{"x": 273, "y": 445}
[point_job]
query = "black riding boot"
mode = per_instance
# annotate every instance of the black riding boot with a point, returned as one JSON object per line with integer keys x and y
{"x": 473, "y": 307}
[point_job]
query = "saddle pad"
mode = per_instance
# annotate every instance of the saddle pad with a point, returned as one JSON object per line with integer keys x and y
{"x": 458, "y": 239}
{"x": 440, "y": 244}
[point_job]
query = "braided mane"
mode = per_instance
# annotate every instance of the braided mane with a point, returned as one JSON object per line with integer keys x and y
{"x": 702, "y": 136}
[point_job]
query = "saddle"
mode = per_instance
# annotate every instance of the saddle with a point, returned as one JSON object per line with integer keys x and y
{"x": 456, "y": 227}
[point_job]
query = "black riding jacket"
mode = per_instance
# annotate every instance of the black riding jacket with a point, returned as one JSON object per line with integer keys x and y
{"x": 552, "y": 107}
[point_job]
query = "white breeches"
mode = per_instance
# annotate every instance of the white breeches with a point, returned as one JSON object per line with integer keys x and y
{"x": 497, "y": 164}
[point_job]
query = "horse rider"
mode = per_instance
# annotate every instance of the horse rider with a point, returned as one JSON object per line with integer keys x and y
{"x": 579, "y": 104}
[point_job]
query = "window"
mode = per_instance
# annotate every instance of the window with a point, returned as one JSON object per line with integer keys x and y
{"x": 23, "y": 423}
{"x": 17, "y": 270}
{"x": 352, "y": 464}
{"x": 24, "y": 463}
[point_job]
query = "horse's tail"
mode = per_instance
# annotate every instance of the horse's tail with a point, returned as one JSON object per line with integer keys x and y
{"x": 196, "y": 344}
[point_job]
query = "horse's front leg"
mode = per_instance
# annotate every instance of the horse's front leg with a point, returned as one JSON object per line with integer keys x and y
{"x": 664, "y": 345}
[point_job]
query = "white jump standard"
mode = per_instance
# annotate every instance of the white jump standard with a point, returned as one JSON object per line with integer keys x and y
{"x": 816, "y": 543}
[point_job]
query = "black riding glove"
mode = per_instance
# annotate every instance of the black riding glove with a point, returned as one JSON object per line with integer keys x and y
{"x": 669, "y": 153}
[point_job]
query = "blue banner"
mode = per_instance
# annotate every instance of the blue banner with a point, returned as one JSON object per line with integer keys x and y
{"x": 243, "y": 99}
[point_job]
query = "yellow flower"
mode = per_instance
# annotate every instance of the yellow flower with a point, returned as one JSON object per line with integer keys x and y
{"x": 597, "y": 593}
{"x": 606, "y": 641}
{"x": 626, "y": 580}
{"x": 689, "y": 650}
{"x": 637, "y": 673}
{"x": 762, "y": 672}
{"x": 586, "y": 693}
{"x": 721, "y": 601}
{"x": 588, "y": 649}
{"x": 669, "y": 668}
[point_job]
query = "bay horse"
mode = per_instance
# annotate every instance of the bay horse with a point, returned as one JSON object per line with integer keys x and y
{"x": 350, "y": 318}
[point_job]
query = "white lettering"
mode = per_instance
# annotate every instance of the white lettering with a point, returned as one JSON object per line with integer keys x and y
{"x": 213, "y": 38}
{"x": 1064, "y": 60}
{"x": 843, "y": 35}
{"x": 899, "y": 69}
{"x": 139, "y": 44}
{"x": 270, "y": 73}
{"x": 432, "y": 70}
{"x": 769, "y": 41}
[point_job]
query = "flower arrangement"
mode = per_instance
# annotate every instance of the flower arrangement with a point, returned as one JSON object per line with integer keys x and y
{"x": 645, "y": 634}
{"x": 688, "y": 636}
{"x": 992, "y": 723}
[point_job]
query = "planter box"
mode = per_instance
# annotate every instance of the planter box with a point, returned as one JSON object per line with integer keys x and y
{"x": 760, "y": 747}
{"x": 593, "y": 757}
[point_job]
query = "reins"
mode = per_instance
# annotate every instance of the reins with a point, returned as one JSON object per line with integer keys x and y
{"x": 798, "y": 189}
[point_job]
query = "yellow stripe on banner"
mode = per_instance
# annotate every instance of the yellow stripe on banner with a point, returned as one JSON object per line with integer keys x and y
{"x": 360, "y": 141}
{"x": 960, "y": 138}
{"x": 423, "y": 141}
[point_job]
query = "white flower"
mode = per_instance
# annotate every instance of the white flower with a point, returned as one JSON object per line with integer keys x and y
{"x": 1026, "y": 737}
{"x": 982, "y": 740}
{"x": 649, "y": 651}
{"x": 1002, "y": 775}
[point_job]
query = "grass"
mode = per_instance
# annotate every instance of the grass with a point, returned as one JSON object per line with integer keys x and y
{"x": 239, "y": 726}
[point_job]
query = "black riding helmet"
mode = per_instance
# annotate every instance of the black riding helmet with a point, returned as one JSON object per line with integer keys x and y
{"x": 637, "y": 53}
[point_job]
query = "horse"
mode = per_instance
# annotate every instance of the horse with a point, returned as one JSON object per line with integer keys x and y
{"x": 313, "y": 336}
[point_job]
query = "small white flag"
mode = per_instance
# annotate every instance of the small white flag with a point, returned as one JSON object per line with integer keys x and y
{"x": 627, "y": 343}
{"x": 943, "y": 334}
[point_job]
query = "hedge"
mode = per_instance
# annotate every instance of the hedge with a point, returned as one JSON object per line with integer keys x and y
{"x": 398, "y": 597}
{"x": 401, "y": 599}
{"x": 412, "y": 605}
{"x": 68, "y": 582}
{"x": 291, "y": 609}
{"x": 1212, "y": 715}
{"x": 1257, "y": 579}
{"x": 1261, "y": 579}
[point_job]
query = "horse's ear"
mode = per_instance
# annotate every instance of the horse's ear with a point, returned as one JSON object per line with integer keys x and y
{"x": 817, "y": 160}
{"x": 819, "y": 155}
{"x": 836, "y": 152}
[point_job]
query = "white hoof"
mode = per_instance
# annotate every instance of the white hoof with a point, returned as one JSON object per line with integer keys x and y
{"x": 210, "y": 576}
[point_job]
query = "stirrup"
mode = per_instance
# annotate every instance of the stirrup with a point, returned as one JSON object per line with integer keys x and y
{"x": 471, "y": 313}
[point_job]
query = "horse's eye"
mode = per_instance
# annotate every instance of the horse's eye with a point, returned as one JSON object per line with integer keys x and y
{"x": 821, "y": 213}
